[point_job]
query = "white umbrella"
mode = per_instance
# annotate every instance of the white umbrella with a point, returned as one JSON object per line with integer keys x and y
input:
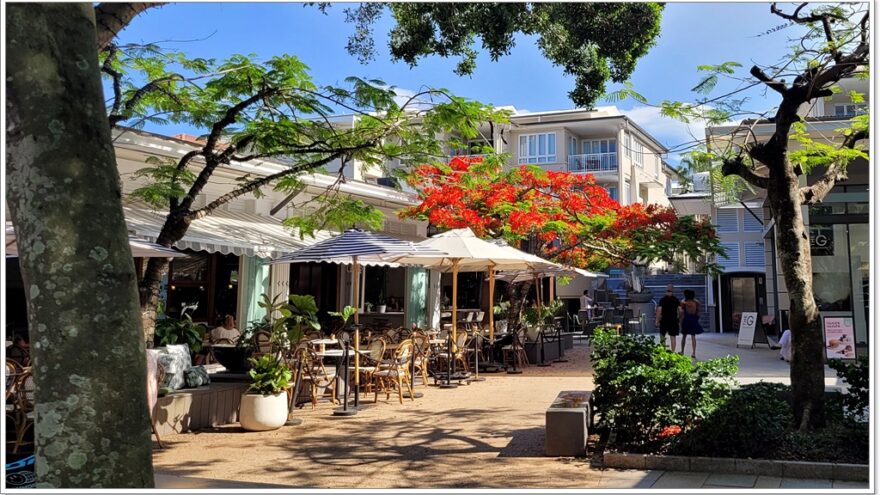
{"x": 469, "y": 253}
{"x": 348, "y": 247}
{"x": 140, "y": 248}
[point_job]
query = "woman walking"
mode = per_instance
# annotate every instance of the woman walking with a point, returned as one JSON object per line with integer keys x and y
{"x": 690, "y": 321}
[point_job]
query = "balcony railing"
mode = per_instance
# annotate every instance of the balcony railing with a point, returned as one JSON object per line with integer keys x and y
{"x": 596, "y": 162}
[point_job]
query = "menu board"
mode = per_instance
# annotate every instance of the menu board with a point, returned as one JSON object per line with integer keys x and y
{"x": 840, "y": 337}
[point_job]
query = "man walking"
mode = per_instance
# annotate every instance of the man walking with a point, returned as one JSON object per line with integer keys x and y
{"x": 667, "y": 317}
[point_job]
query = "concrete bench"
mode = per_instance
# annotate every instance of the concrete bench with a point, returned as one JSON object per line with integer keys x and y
{"x": 566, "y": 424}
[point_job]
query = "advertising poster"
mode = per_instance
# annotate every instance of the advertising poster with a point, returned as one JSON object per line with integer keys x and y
{"x": 840, "y": 338}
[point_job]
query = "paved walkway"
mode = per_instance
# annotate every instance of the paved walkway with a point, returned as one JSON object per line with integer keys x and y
{"x": 484, "y": 435}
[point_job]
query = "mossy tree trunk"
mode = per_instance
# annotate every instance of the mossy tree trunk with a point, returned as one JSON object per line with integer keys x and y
{"x": 92, "y": 425}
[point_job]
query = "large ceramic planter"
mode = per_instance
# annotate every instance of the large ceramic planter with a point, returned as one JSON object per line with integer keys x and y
{"x": 263, "y": 412}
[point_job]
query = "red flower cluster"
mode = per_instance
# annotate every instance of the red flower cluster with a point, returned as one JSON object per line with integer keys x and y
{"x": 670, "y": 431}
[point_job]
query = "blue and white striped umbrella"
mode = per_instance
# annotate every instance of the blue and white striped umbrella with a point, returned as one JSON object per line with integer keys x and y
{"x": 342, "y": 248}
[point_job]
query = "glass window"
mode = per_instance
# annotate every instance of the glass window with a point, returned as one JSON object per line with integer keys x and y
{"x": 831, "y": 277}
{"x": 572, "y": 146}
{"x": 612, "y": 191}
{"x": 537, "y": 148}
{"x": 858, "y": 208}
{"x": 828, "y": 209}
{"x": 193, "y": 268}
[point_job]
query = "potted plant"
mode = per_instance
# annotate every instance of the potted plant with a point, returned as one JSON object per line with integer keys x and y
{"x": 299, "y": 314}
{"x": 500, "y": 310}
{"x": 344, "y": 315}
{"x": 264, "y": 404}
{"x": 369, "y": 306}
{"x": 382, "y": 306}
{"x": 170, "y": 331}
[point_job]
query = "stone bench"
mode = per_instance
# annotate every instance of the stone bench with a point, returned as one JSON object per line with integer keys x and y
{"x": 566, "y": 424}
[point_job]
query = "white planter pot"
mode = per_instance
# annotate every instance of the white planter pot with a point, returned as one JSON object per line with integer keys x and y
{"x": 381, "y": 308}
{"x": 532, "y": 333}
{"x": 263, "y": 412}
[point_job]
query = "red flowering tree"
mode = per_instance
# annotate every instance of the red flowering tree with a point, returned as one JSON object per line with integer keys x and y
{"x": 572, "y": 219}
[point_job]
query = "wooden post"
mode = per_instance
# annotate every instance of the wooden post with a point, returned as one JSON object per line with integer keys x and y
{"x": 552, "y": 289}
{"x": 454, "y": 298}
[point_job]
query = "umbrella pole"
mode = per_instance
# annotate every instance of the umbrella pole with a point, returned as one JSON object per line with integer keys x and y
{"x": 450, "y": 362}
{"x": 345, "y": 410}
{"x": 357, "y": 332}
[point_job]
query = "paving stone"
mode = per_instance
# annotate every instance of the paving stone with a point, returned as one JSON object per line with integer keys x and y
{"x": 625, "y": 461}
{"x": 731, "y": 480}
{"x": 712, "y": 464}
{"x": 801, "y": 470}
{"x": 680, "y": 479}
{"x": 760, "y": 467}
{"x": 804, "y": 483}
{"x": 629, "y": 478}
{"x": 850, "y": 472}
{"x": 849, "y": 484}
{"x": 768, "y": 482}
{"x": 667, "y": 462}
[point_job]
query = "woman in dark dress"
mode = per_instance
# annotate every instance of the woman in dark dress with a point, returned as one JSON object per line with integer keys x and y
{"x": 690, "y": 321}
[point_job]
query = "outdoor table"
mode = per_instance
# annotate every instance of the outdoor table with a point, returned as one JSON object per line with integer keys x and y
{"x": 324, "y": 341}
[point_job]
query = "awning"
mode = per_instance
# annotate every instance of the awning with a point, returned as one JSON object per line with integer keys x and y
{"x": 242, "y": 234}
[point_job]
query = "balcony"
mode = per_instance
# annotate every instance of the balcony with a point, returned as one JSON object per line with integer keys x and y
{"x": 593, "y": 163}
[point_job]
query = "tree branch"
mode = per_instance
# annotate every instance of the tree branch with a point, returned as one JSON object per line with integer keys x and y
{"x": 836, "y": 171}
{"x": 736, "y": 166}
{"x": 258, "y": 183}
{"x": 116, "y": 116}
{"x": 107, "y": 68}
{"x": 111, "y": 18}
{"x": 773, "y": 84}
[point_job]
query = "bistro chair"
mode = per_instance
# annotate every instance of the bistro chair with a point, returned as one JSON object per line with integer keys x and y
{"x": 477, "y": 324}
{"x": 22, "y": 411}
{"x": 311, "y": 373}
{"x": 395, "y": 373}
{"x": 13, "y": 370}
{"x": 370, "y": 361}
{"x": 421, "y": 355}
{"x": 262, "y": 343}
{"x": 520, "y": 356}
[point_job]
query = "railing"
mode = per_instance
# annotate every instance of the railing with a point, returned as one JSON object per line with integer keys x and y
{"x": 596, "y": 162}
{"x": 464, "y": 155}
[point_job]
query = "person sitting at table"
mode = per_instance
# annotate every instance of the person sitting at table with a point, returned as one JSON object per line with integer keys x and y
{"x": 226, "y": 331}
{"x": 392, "y": 304}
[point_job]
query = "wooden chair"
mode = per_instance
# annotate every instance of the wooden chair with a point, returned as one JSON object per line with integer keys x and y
{"x": 395, "y": 373}
{"x": 262, "y": 343}
{"x": 459, "y": 351}
{"x": 421, "y": 355}
{"x": 477, "y": 323}
{"x": 305, "y": 362}
{"x": 522, "y": 359}
{"x": 370, "y": 362}
{"x": 22, "y": 413}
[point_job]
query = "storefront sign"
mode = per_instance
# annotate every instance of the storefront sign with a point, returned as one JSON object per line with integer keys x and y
{"x": 747, "y": 329}
{"x": 822, "y": 240}
{"x": 840, "y": 338}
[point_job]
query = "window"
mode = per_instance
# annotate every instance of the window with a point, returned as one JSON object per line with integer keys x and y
{"x": 612, "y": 191}
{"x": 572, "y": 146}
{"x": 726, "y": 220}
{"x": 849, "y": 109}
{"x": 537, "y": 148}
{"x": 627, "y": 145}
{"x": 594, "y": 146}
{"x": 626, "y": 197}
{"x": 638, "y": 152}
{"x": 750, "y": 223}
{"x": 731, "y": 259}
{"x": 754, "y": 253}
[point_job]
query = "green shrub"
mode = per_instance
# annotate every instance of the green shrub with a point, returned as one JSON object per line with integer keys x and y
{"x": 269, "y": 375}
{"x": 642, "y": 390}
{"x": 170, "y": 331}
{"x": 856, "y": 375}
{"x": 844, "y": 440}
{"x": 750, "y": 423}
{"x": 611, "y": 355}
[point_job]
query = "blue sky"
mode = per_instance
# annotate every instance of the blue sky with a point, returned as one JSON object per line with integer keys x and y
{"x": 691, "y": 34}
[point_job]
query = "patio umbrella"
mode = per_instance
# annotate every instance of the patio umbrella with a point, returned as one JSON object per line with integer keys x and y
{"x": 140, "y": 248}
{"x": 348, "y": 247}
{"x": 469, "y": 253}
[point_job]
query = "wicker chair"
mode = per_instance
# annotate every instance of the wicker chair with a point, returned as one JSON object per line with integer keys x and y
{"x": 22, "y": 411}
{"x": 421, "y": 355}
{"x": 395, "y": 373}
{"x": 522, "y": 359}
{"x": 370, "y": 362}
{"x": 262, "y": 343}
{"x": 305, "y": 362}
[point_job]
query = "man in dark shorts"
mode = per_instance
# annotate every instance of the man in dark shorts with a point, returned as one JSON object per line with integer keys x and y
{"x": 667, "y": 318}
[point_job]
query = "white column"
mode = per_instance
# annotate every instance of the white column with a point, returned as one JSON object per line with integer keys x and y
{"x": 623, "y": 163}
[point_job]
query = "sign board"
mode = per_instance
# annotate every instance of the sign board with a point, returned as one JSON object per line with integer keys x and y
{"x": 840, "y": 337}
{"x": 747, "y": 329}
{"x": 821, "y": 240}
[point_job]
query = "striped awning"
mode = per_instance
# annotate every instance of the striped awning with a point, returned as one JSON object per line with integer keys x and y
{"x": 354, "y": 242}
{"x": 242, "y": 234}
{"x": 140, "y": 248}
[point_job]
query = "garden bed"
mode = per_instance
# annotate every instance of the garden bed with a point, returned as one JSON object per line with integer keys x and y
{"x": 667, "y": 412}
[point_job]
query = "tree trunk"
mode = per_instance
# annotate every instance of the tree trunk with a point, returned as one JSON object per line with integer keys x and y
{"x": 793, "y": 247}
{"x": 516, "y": 294}
{"x": 92, "y": 426}
{"x": 173, "y": 230}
